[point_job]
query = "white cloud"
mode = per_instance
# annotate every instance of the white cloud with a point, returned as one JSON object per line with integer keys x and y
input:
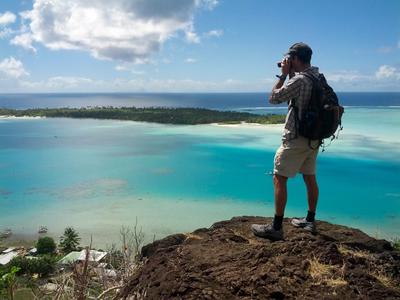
{"x": 7, "y": 18}
{"x": 67, "y": 82}
{"x": 135, "y": 72}
{"x": 59, "y": 83}
{"x": 121, "y": 30}
{"x": 340, "y": 81}
{"x": 209, "y": 4}
{"x": 127, "y": 68}
{"x": 24, "y": 41}
{"x": 386, "y": 78}
{"x": 192, "y": 37}
{"x": 121, "y": 68}
{"x": 190, "y": 60}
{"x": 12, "y": 68}
{"x": 6, "y": 32}
{"x": 387, "y": 72}
{"x": 384, "y": 72}
{"x": 184, "y": 85}
{"x": 215, "y": 33}
{"x": 345, "y": 76}
{"x": 82, "y": 84}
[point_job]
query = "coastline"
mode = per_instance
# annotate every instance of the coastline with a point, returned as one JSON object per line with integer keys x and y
{"x": 4, "y": 117}
{"x": 244, "y": 124}
{"x": 162, "y": 115}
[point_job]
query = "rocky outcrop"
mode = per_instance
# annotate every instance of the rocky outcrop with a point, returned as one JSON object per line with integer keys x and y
{"x": 226, "y": 261}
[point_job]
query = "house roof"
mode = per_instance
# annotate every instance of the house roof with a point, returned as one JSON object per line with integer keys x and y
{"x": 94, "y": 256}
{"x": 11, "y": 249}
{"x": 7, "y": 257}
{"x": 69, "y": 258}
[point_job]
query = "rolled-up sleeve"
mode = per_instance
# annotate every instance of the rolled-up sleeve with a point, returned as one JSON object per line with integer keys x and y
{"x": 287, "y": 92}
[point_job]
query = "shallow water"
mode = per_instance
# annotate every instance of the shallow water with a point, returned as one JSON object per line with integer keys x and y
{"x": 97, "y": 175}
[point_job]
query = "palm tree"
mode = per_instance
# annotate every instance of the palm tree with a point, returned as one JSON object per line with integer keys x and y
{"x": 69, "y": 241}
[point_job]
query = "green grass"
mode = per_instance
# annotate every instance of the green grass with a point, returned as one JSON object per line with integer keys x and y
{"x": 396, "y": 244}
{"x": 24, "y": 294}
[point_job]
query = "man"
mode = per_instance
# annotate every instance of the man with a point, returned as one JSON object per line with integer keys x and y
{"x": 296, "y": 153}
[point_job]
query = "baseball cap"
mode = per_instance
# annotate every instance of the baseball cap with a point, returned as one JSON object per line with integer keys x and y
{"x": 300, "y": 49}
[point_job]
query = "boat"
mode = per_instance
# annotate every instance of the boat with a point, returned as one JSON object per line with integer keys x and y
{"x": 42, "y": 229}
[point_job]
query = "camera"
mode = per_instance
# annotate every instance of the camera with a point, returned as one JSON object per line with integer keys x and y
{"x": 279, "y": 64}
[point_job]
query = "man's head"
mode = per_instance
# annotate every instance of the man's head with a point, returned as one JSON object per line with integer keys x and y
{"x": 300, "y": 55}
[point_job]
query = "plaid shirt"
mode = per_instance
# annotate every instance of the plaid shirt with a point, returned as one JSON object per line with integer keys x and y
{"x": 298, "y": 91}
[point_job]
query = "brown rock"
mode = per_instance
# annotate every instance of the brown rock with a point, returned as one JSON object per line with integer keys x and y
{"x": 227, "y": 261}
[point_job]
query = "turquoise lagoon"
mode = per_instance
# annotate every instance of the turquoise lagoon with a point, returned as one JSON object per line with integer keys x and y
{"x": 97, "y": 175}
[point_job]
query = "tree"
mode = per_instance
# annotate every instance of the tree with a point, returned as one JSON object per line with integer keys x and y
{"x": 8, "y": 282}
{"x": 45, "y": 245}
{"x": 69, "y": 241}
{"x": 42, "y": 266}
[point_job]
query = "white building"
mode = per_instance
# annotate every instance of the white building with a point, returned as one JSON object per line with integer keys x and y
{"x": 5, "y": 258}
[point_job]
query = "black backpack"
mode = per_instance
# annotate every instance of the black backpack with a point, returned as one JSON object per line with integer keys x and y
{"x": 323, "y": 114}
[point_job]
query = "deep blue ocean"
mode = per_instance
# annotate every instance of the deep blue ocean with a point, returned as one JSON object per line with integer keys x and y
{"x": 97, "y": 175}
{"x": 207, "y": 100}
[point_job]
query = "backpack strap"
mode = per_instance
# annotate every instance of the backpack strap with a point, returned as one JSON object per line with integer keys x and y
{"x": 314, "y": 80}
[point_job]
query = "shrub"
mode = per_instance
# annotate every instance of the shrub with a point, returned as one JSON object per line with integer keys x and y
{"x": 45, "y": 245}
{"x": 396, "y": 244}
{"x": 42, "y": 265}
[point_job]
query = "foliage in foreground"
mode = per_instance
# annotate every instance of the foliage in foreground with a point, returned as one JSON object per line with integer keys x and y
{"x": 8, "y": 283}
{"x": 188, "y": 116}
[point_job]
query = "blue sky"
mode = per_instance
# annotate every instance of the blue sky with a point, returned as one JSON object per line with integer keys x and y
{"x": 193, "y": 45}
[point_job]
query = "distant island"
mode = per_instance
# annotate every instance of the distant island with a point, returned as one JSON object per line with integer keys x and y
{"x": 165, "y": 115}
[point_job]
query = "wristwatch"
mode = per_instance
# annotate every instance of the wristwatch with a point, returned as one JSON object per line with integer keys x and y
{"x": 281, "y": 77}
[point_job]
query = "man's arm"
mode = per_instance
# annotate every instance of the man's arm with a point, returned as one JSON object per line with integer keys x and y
{"x": 278, "y": 85}
{"x": 279, "y": 94}
{"x": 286, "y": 92}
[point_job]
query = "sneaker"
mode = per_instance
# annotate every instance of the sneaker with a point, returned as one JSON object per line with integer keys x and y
{"x": 303, "y": 223}
{"x": 267, "y": 231}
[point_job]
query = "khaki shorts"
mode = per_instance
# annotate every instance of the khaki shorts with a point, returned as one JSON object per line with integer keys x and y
{"x": 296, "y": 156}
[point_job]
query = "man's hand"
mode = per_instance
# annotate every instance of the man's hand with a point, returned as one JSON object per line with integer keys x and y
{"x": 286, "y": 66}
{"x": 286, "y": 69}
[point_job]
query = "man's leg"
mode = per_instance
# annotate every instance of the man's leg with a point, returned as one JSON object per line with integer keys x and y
{"x": 308, "y": 222}
{"x": 280, "y": 192}
{"x": 312, "y": 192}
{"x": 283, "y": 164}
{"x": 274, "y": 231}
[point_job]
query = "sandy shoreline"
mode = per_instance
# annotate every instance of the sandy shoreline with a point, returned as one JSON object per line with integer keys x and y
{"x": 22, "y": 118}
{"x": 244, "y": 124}
{"x": 247, "y": 124}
